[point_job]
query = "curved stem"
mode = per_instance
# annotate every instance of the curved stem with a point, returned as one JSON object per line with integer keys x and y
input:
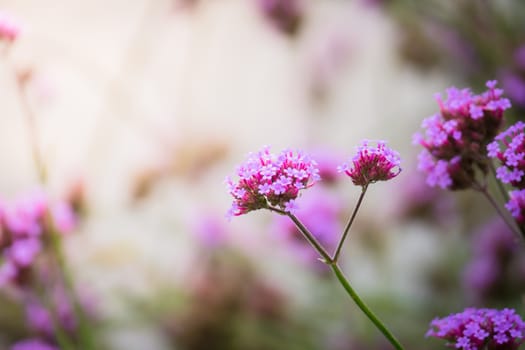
{"x": 32, "y": 130}
{"x": 502, "y": 190}
{"x": 340, "y": 276}
{"x": 349, "y": 224}
{"x": 361, "y": 304}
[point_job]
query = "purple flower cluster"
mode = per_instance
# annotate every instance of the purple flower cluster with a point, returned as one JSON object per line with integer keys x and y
{"x": 512, "y": 156}
{"x": 455, "y": 138}
{"x": 268, "y": 179}
{"x": 23, "y": 227}
{"x": 475, "y": 329}
{"x": 372, "y": 164}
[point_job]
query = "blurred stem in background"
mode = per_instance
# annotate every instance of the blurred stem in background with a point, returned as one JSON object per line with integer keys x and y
{"x": 62, "y": 337}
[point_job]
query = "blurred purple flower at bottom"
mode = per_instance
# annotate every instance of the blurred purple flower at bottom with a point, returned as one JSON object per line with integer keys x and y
{"x": 32, "y": 344}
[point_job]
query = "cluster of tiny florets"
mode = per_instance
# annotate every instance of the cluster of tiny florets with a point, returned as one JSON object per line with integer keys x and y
{"x": 511, "y": 155}
{"x": 372, "y": 164}
{"x": 268, "y": 179}
{"x": 455, "y": 139}
{"x": 23, "y": 226}
{"x": 476, "y": 329}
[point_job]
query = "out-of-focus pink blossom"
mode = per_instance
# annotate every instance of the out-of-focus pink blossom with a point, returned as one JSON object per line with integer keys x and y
{"x": 64, "y": 217}
{"x": 10, "y": 27}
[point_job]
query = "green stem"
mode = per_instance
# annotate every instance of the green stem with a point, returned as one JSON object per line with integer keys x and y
{"x": 502, "y": 190}
{"x": 518, "y": 231}
{"x": 306, "y": 233}
{"x": 349, "y": 224}
{"x": 78, "y": 310}
{"x": 342, "y": 279}
{"x": 360, "y": 303}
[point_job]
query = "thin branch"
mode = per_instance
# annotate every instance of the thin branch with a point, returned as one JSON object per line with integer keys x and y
{"x": 349, "y": 224}
{"x": 306, "y": 233}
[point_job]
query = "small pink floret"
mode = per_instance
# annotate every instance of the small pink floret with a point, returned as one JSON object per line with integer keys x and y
{"x": 372, "y": 164}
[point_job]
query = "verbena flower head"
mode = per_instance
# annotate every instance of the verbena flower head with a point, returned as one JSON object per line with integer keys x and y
{"x": 516, "y": 205}
{"x": 476, "y": 329}
{"x": 509, "y": 148}
{"x": 372, "y": 164}
{"x": 268, "y": 179}
{"x": 455, "y": 139}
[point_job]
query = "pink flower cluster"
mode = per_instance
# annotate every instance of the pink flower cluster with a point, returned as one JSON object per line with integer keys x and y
{"x": 23, "y": 227}
{"x": 372, "y": 164}
{"x": 475, "y": 329}
{"x": 9, "y": 27}
{"x": 455, "y": 139}
{"x": 268, "y": 179}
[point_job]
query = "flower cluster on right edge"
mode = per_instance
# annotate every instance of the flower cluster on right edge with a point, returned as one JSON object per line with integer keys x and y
{"x": 475, "y": 329}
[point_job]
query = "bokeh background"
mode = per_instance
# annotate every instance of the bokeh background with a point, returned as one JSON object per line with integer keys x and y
{"x": 142, "y": 108}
